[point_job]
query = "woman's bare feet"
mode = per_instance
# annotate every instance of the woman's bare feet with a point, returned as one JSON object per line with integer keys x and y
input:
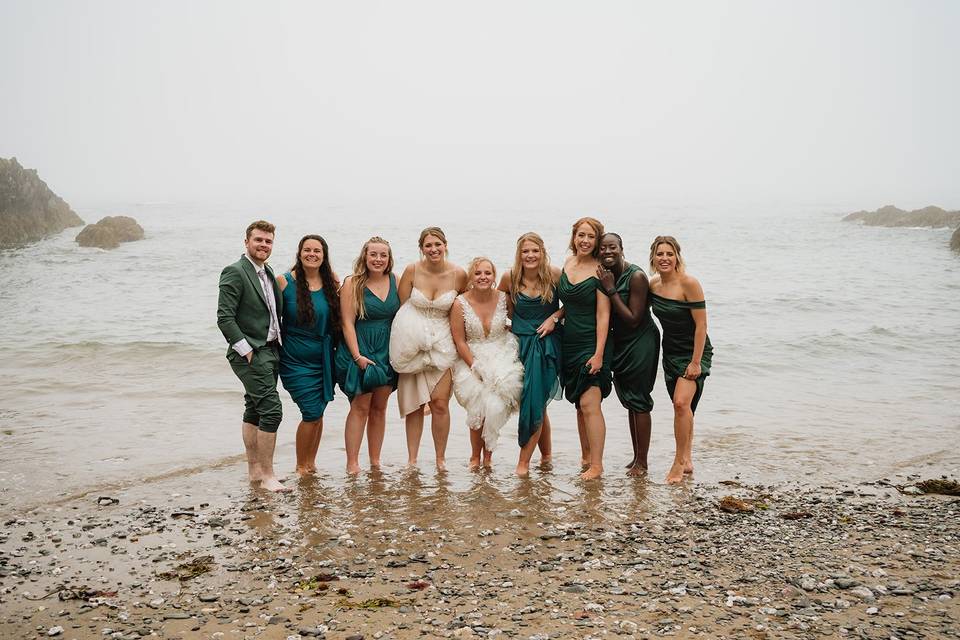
{"x": 306, "y": 471}
{"x": 592, "y": 473}
{"x": 584, "y": 463}
{"x": 688, "y": 468}
{"x": 487, "y": 459}
{"x": 353, "y": 469}
{"x": 637, "y": 470}
{"x": 523, "y": 469}
{"x": 441, "y": 464}
{"x": 474, "y": 463}
{"x": 676, "y": 473}
{"x": 272, "y": 484}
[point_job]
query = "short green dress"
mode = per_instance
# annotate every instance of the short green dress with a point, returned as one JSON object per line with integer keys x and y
{"x": 541, "y": 361}
{"x": 636, "y": 352}
{"x": 579, "y": 339}
{"x": 373, "y": 339}
{"x": 678, "y": 332}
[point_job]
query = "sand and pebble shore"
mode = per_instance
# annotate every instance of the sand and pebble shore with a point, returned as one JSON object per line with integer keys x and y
{"x": 199, "y": 557}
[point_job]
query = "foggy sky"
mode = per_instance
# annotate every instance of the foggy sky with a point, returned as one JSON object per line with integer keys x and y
{"x": 524, "y": 102}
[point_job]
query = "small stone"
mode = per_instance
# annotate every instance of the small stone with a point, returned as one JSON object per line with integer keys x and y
{"x": 574, "y": 588}
{"x": 546, "y": 566}
{"x": 54, "y": 631}
{"x": 872, "y": 611}
{"x": 863, "y": 593}
{"x": 208, "y": 597}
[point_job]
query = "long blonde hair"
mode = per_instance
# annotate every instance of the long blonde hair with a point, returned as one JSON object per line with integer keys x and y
{"x": 668, "y": 240}
{"x": 361, "y": 274}
{"x": 544, "y": 277}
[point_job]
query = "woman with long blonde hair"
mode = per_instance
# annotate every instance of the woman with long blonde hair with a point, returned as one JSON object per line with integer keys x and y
{"x": 535, "y": 309}
{"x": 368, "y": 303}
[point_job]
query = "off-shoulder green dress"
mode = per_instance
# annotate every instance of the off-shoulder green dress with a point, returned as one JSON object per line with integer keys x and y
{"x": 579, "y": 341}
{"x": 636, "y": 351}
{"x": 541, "y": 361}
{"x": 678, "y": 332}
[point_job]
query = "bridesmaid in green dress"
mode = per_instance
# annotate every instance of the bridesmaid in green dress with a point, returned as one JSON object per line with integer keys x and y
{"x": 636, "y": 343}
{"x": 310, "y": 326}
{"x": 679, "y": 304}
{"x": 368, "y": 302}
{"x": 535, "y": 310}
{"x": 586, "y": 362}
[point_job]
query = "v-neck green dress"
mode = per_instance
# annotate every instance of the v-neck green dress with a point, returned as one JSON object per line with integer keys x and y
{"x": 579, "y": 341}
{"x": 636, "y": 351}
{"x": 373, "y": 339}
{"x": 678, "y": 332}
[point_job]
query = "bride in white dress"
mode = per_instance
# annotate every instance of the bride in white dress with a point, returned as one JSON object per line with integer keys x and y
{"x": 488, "y": 377}
{"x": 421, "y": 348}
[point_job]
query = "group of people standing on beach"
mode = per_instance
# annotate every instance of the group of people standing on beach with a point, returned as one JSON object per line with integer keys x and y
{"x": 499, "y": 346}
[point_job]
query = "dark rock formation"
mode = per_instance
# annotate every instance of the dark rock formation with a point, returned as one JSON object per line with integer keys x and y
{"x": 891, "y": 216}
{"x": 29, "y": 210}
{"x": 109, "y": 232}
{"x": 955, "y": 240}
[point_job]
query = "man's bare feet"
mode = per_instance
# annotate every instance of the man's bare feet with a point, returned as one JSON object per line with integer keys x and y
{"x": 523, "y": 469}
{"x": 676, "y": 473}
{"x": 592, "y": 473}
{"x": 272, "y": 484}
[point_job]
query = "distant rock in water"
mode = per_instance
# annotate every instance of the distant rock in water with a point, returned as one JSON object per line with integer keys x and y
{"x": 955, "y": 240}
{"x": 29, "y": 210}
{"x": 109, "y": 232}
{"x": 891, "y": 216}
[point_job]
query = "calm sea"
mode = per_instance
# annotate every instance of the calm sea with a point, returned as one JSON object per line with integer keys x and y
{"x": 835, "y": 359}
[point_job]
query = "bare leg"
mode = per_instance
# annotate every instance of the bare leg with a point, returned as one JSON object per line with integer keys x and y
{"x": 440, "y": 420}
{"x": 682, "y": 427}
{"x": 308, "y": 441}
{"x": 414, "y": 427}
{"x": 377, "y": 423}
{"x": 476, "y": 448}
{"x": 688, "y": 466}
{"x": 266, "y": 443}
{"x": 250, "y": 445}
{"x": 584, "y": 440}
{"x": 545, "y": 443}
{"x": 633, "y": 439}
{"x": 526, "y": 453}
{"x": 353, "y": 430}
{"x": 640, "y": 432}
{"x": 596, "y": 430}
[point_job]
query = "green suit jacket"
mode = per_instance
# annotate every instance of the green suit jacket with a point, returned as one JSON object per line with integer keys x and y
{"x": 242, "y": 311}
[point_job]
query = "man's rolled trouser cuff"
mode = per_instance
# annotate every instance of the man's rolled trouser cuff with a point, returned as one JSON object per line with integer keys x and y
{"x": 262, "y": 406}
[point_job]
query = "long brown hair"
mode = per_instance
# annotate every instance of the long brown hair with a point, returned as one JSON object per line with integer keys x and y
{"x": 544, "y": 277}
{"x": 361, "y": 274}
{"x": 670, "y": 240}
{"x": 305, "y": 314}
{"x": 597, "y": 229}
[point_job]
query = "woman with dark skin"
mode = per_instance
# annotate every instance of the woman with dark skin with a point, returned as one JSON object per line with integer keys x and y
{"x": 635, "y": 340}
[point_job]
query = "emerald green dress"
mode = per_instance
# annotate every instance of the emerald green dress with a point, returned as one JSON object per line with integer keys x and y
{"x": 636, "y": 352}
{"x": 373, "y": 339}
{"x": 541, "y": 361}
{"x": 579, "y": 339}
{"x": 678, "y": 331}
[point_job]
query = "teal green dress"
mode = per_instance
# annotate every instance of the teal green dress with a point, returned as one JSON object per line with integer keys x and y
{"x": 541, "y": 361}
{"x": 306, "y": 358}
{"x": 373, "y": 339}
{"x": 579, "y": 340}
{"x": 678, "y": 332}
{"x": 636, "y": 352}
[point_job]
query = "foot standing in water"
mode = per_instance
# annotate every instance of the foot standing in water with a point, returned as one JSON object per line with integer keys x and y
{"x": 368, "y": 304}
{"x": 247, "y": 317}
{"x": 488, "y": 377}
{"x": 531, "y": 288}
{"x": 311, "y": 328}
{"x": 636, "y": 343}
{"x": 586, "y": 361}
{"x": 678, "y": 302}
{"x": 421, "y": 347}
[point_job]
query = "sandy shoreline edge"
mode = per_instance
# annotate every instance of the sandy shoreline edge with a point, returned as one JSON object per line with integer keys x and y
{"x": 421, "y": 558}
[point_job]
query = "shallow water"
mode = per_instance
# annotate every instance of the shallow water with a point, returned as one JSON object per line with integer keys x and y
{"x": 835, "y": 353}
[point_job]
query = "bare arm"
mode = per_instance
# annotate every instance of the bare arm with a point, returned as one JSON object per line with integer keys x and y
{"x": 405, "y": 286}
{"x": 281, "y": 282}
{"x": 634, "y": 311}
{"x": 693, "y": 291}
{"x": 459, "y": 332}
{"x": 505, "y": 287}
{"x": 348, "y": 321}
{"x": 461, "y": 280}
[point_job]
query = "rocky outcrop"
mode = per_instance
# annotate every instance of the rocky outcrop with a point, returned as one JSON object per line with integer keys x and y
{"x": 109, "y": 232}
{"x": 29, "y": 210}
{"x": 891, "y": 216}
{"x": 955, "y": 240}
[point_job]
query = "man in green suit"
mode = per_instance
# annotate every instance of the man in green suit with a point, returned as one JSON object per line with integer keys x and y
{"x": 249, "y": 318}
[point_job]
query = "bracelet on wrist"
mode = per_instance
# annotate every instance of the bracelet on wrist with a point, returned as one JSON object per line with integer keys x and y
{"x": 357, "y": 357}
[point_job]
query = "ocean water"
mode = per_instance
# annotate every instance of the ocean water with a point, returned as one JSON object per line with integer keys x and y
{"x": 835, "y": 347}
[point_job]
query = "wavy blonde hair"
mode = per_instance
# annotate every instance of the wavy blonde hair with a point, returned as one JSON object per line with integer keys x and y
{"x": 597, "y": 227}
{"x": 544, "y": 277}
{"x": 473, "y": 265}
{"x": 361, "y": 274}
{"x": 670, "y": 240}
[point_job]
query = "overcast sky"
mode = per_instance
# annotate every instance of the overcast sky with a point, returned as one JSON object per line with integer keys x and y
{"x": 532, "y": 102}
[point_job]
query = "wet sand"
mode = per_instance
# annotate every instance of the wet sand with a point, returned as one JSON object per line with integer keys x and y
{"x": 418, "y": 554}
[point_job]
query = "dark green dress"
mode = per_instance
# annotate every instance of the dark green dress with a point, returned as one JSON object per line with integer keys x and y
{"x": 579, "y": 339}
{"x": 306, "y": 358}
{"x": 678, "y": 332}
{"x": 636, "y": 352}
{"x": 373, "y": 339}
{"x": 541, "y": 361}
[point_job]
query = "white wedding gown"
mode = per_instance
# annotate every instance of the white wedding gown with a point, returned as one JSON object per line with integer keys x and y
{"x": 490, "y": 392}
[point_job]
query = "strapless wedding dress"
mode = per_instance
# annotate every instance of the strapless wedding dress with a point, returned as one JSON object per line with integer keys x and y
{"x": 421, "y": 347}
{"x": 490, "y": 391}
